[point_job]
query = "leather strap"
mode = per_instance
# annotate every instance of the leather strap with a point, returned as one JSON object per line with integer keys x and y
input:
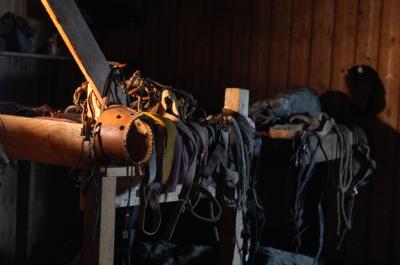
{"x": 161, "y": 136}
{"x": 218, "y": 154}
{"x": 168, "y": 95}
{"x": 152, "y": 168}
{"x": 186, "y": 184}
{"x": 150, "y": 212}
{"x": 203, "y": 133}
{"x": 214, "y": 218}
{"x": 4, "y": 160}
{"x": 254, "y": 170}
{"x": 170, "y": 145}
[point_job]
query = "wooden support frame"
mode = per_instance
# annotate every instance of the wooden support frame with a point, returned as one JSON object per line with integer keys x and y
{"x": 110, "y": 200}
{"x": 107, "y": 221}
{"x": 93, "y": 65}
{"x": 77, "y": 36}
{"x": 231, "y": 243}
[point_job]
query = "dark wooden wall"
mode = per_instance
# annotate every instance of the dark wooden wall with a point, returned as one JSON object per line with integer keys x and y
{"x": 269, "y": 46}
{"x": 35, "y": 80}
{"x": 39, "y": 205}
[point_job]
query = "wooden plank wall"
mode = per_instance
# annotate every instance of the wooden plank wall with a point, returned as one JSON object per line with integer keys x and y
{"x": 37, "y": 81}
{"x": 14, "y": 6}
{"x": 33, "y": 197}
{"x": 269, "y": 46}
{"x": 8, "y": 205}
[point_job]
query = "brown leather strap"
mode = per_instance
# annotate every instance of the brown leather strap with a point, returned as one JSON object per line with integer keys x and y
{"x": 170, "y": 145}
{"x": 186, "y": 185}
{"x": 150, "y": 213}
{"x": 212, "y": 219}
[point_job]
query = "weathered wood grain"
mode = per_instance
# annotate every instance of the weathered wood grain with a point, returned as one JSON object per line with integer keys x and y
{"x": 48, "y": 141}
{"x": 300, "y": 39}
{"x": 260, "y": 46}
{"x": 321, "y": 45}
{"x": 280, "y": 46}
{"x": 344, "y": 42}
{"x": 368, "y": 32}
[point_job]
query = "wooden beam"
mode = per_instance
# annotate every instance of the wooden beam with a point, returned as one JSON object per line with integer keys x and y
{"x": 80, "y": 42}
{"x": 52, "y": 141}
{"x": 49, "y": 141}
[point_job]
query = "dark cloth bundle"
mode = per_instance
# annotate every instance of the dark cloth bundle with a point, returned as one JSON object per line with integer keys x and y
{"x": 15, "y": 34}
{"x": 295, "y": 101}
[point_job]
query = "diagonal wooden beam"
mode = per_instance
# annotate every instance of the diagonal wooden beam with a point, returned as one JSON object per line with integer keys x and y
{"x": 80, "y": 42}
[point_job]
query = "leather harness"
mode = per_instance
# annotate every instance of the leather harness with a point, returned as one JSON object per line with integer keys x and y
{"x": 217, "y": 149}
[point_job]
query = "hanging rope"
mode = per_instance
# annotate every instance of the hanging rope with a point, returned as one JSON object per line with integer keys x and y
{"x": 355, "y": 166}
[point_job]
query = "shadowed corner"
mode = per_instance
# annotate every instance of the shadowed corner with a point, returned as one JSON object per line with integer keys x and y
{"x": 364, "y": 101}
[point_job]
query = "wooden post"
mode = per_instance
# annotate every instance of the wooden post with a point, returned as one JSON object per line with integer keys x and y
{"x": 107, "y": 220}
{"x": 237, "y": 100}
{"x": 231, "y": 244}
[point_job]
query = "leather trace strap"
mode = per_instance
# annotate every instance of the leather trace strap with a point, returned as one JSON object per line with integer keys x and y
{"x": 152, "y": 168}
{"x": 254, "y": 170}
{"x": 203, "y": 134}
{"x": 170, "y": 145}
{"x": 218, "y": 155}
{"x": 201, "y": 190}
{"x": 4, "y": 160}
{"x": 161, "y": 136}
{"x": 186, "y": 184}
{"x": 150, "y": 212}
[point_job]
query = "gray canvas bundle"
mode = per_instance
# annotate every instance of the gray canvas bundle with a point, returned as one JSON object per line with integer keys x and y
{"x": 295, "y": 101}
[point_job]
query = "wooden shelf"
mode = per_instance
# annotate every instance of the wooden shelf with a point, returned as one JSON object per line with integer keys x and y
{"x": 34, "y": 55}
